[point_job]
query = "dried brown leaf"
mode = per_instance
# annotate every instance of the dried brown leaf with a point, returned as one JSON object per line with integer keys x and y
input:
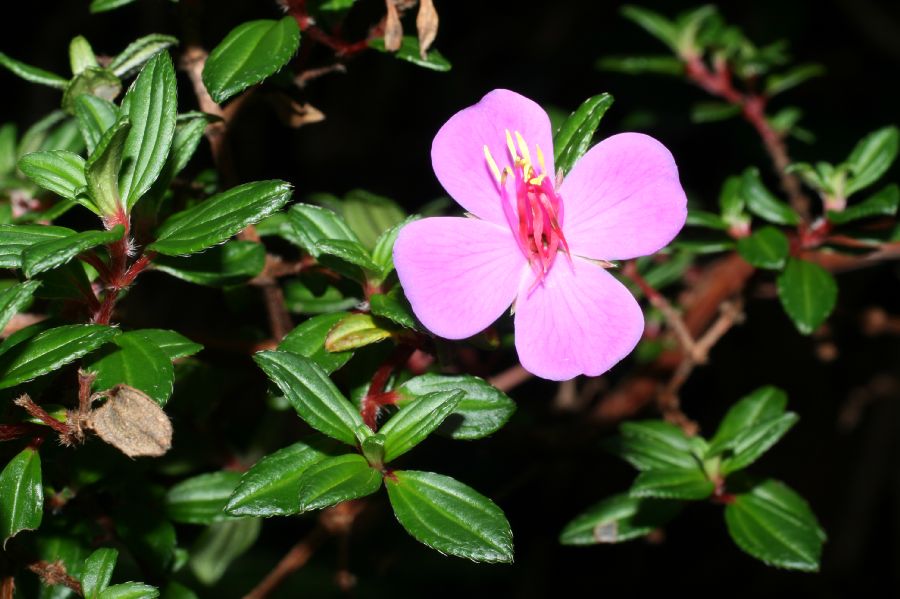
{"x": 393, "y": 29}
{"x": 132, "y": 423}
{"x": 427, "y": 26}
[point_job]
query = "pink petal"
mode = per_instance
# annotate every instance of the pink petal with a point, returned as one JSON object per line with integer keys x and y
{"x": 580, "y": 321}
{"x": 457, "y": 153}
{"x": 459, "y": 274}
{"x": 623, "y": 199}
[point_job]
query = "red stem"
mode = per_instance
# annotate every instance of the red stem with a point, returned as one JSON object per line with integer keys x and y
{"x": 376, "y": 396}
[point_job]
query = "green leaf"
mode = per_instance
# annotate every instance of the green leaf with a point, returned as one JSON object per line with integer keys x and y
{"x": 228, "y": 264}
{"x": 311, "y": 224}
{"x": 13, "y": 298}
{"x": 752, "y": 442}
{"x": 8, "y": 155}
{"x": 885, "y": 203}
{"x": 369, "y": 215}
{"x": 765, "y": 248}
{"x": 639, "y": 65}
{"x": 272, "y": 486}
{"x": 313, "y": 395}
{"x": 337, "y": 479}
{"x": 449, "y": 516}
{"x": 619, "y": 518}
{"x": 32, "y": 74}
{"x": 130, "y": 590}
{"x": 97, "y": 571}
{"x": 95, "y": 81}
{"x": 731, "y": 200}
{"x": 53, "y": 253}
{"x": 354, "y": 331}
{"x": 763, "y": 404}
{"x": 173, "y": 345}
{"x": 250, "y": 53}
{"x": 49, "y": 350}
{"x": 21, "y": 495}
{"x": 482, "y": 410}
{"x": 393, "y": 306}
{"x": 575, "y": 135}
{"x": 202, "y": 499}
{"x": 808, "y": 293}
{"x": 138, "y": 52}
{"x": 219, "y": 217}
{"x": 220, "y": 545}
{"x": 409, "y": 51}
{"x": 688, "y": 483}
{"x": 348, "y": 251}
{"x": 308, "y": 340}
{"x": 151, "y": 105}
{"x": 81, "y": 55}
{"x": 383, "y": 250}
{"x": 95, "y": 116}
{"x": 136, "y": 361}
{"x": 763, "y": 204}
{"x": 58, "y": 171}
{"x": 701, "y": 218}
{"x": 102, "y": 168}
{"x": 14, "y": 239}
{"x": 654, "y": 445}
{"x": 98, "y": 6}
{"x": 781, "y": 82}
{"x": 319, "y": 298}
{"x": 872, "y": 157}
{"x": 411, "y": 425}
{"x": 653, "y": 23}
{"x": 710, "y": 112}
{"x": 775, "y": 525}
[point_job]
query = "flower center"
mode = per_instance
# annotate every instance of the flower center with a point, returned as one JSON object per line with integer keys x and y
{"x": 531, "y": 203}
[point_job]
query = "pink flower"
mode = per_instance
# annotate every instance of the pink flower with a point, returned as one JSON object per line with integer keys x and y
{"x": 621, "y": 200}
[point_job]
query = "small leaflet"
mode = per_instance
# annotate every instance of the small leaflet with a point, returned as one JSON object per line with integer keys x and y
{"x": 132, "y": 423}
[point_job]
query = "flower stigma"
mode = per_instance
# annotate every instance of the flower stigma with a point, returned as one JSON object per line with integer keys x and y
{"x": 532, "y": 207}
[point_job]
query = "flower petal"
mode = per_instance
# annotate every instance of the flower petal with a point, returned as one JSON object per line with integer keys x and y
{"x": 459, "y": 274}
{"x": 580, "y": 321}
{"x": 623, "y": 199}
{"x": 457, "y": 153}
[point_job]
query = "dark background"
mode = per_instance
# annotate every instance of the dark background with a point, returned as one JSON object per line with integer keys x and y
{"x": 545, "y": 466}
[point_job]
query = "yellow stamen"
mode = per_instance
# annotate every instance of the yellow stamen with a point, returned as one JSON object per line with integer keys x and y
{"x": 540, "y": 158}
{"x": 491, "y": 164}
{"x": 511, "y": 146}
{"x": 537, "y": 180}
{"x": 523, "y": 147}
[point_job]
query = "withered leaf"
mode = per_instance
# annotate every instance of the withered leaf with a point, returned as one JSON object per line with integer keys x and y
{"x": 132, "y": 423}
{"x": 393, "y": 29}
{"x": 427, "y": 26}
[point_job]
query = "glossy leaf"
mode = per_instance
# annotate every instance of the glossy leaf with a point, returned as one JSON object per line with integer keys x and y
{"x": 482, "y": 410}
{"x": 701, "y": 218}
{"x": 53, "y": 253}
{"x": 50, "y": 349}
{"x": 95, "y": 116}
{"x": 654, "y": 445}
{"x": 763, "y": 404}
{"x": 808, "y": 294}
{"x": 368, "y": 215}
{"x": 219, "y": 217}
{"x": 312, "y": 224}
{"x": 201, "y": 499}
{"x": 221, "y": 544}
{"x": 151, "y": 105}
{"x": 763, "y": 204}
{"x": 98, "y": 6}
{"x": 250, "y": 53}
{"x": 32, "y": 74}
{"x": 871, "y": 158}
{"x": 173, "y": 345}
{"x": 102, "y": 168}
{"x": 56, "y": 170}
{"x": 409, "y": 51}
{"x": 97, "y": 571}
{"x": 765, "y": 248}
{"x": 337, "y": 479}
{"x": 134, "y": 360}
{"x": 130, "y": 590}
{"x": 21, "y": 495}
{"x": 354, "y": 331}
{"x": 272, "y": 486}
{"x": 883, "y": 203}
{"x": 227, "y": 264}
{"x": 138, "y": 52}
{"x": 619, "y": 518}
{"x": 575, "y": 135}
{"x": 383, "y": 250}
{"x": 14, "y": 239}
{"x": 393, "y": 306}
{"x": 13, "y": 298}
{"x": 189, "y": 129}
{"x": 411, "y": 425}
{"x": 313, "y": 395}
{"x": 688, "y": 483}
{"x": 81, "y": 55}
{"x": 317, "y": 296}
{"x": 775, "y": 525}
{"x": 348, "y": 251}
{"x": 94, "y": 81}
{"x": 308, "y": 340}
{"x": 752, "y": 442}
{"x": 449, "y": 516}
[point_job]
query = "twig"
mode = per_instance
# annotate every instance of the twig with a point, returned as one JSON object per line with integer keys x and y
{"x": 8, "y": 587}
{"x": 510, "y": 378}
{"x": 54, "y": 573}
